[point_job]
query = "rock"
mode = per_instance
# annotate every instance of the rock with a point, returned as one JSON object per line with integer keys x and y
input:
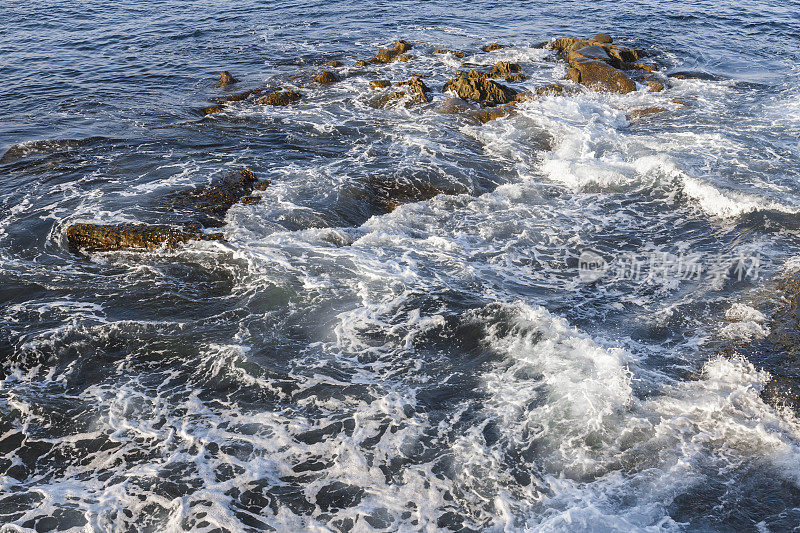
{"x": 455, "y": 53}
{"x": 209, "y": 204}
{"x": 655, "y": 86}
{"x": 360, "y": 63}
{"x": 103, "y": 238}
{"x": 405, "y": 57}
{"x": 600, "y": 76}
{"x": 418, "y": 89}
{"x": 492, "y": 47}
{"x": 225, "y": 78}
{"x": 326, "y": 76}
{"x": 487, "y": 115}
{"x": 550, "y": 89}
{"x": 387, "y": 55}
{"x": 695, "y": 76}
{"x": 389, "y": 193}
{"x": 280, "y": 98}
{"x": 506, "y": 67}
{"x": 236, "y": 97}
{"x": 592, "y": 52}
{"x": 644, "y": 112}
{"x": 210, "y": 110}
{"x": 639, "y": 66}
{"x": 379, "y": 84}
{"x": 481, "y": 90}
{"x": 525, "y": 97}
{"x": 333, "y": 64}
{"x": 602, "y": 38}
{"x": 513, "y": 78}
{"x": 391, "y": 98}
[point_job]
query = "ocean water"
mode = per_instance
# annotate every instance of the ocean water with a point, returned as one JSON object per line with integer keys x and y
{"x": 334, "y": 367}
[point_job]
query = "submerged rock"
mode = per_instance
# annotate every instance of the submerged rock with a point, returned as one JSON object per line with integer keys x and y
{"x": 655, "y": 86}
{"x": 210, "y": 110}
{"x": 360, "y": 63}
{"x": 211, "y": 202}
{"x": 455, "y": 53}
{"x": 484, "y": 91}
{"x": 387, "y": 55}
{"x": 389, "y": 193}
{"x": 645, "y": 112}
{"x": 380, "y": 84}
{"x": 226, "y": 78}
{"x": 326, "y": 76}
{"x": 333, "y": 64}
{"x": 492, "y": 47}
{"x": 280, "y": 98}
{"x": 506, "y": 67}
{"x": 104, "y": 238}
{"x": 603, "y": 38}
{"x": 550, "y": 89}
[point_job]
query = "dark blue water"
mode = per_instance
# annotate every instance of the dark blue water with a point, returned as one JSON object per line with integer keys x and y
{"x": 334, "y": 366}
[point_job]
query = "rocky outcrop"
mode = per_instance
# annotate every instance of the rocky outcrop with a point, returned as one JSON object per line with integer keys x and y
{"x": 326, "y": 77}
{"x": 104, "y": 238}
{"x": 389, "y": 193}
{"x": 225, "y": 78}
{"x": 550, "y": 89}
{"x": 380, "y": 84}
{"x": 645, "y": 112}
{"x": 360, "y": 63}
{"x": 417, "y": 89}
{"x": 600, "y": 76}
{"x": 387, "y": 55}
{"x": 333, "y": 64}
{"x": 480, "y": 90}
{"x": 210, "y": 203}
{"x": 278, "y": 98}
{"x": 210, "y": 110}
{"x": 655, "y": 86}
{"x": 492, "y": 47}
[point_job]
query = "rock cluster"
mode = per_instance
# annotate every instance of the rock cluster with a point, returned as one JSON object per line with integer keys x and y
{"x": 387, "y": 55}
{"x": 481, "y": 90}
{"x": 207, "y": 205}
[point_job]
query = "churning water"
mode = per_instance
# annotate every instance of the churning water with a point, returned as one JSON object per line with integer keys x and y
{"x": 332, "y": 366}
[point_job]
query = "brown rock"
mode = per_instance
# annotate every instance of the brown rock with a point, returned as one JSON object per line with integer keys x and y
{"x": 418, "y": 89}
{"x": 280, "y": 98}
{"x": 480, "y": 90}
{"x": 387, "y": 55}
{"x": 487, "y": 115}
{"x": 639, "y": 66}
{"x": 655, "y": 86}
{"x": 333, "y": 64}
{"x": 492, "y": 47}
{"x": 600, "y": 76}
{"x": 210, "y": 110}
{"x": 525, "y": 97}
{"x": 379, "y": 84}
{"x": 104, "y": 238}
{"x": 405, "y": 57}
{"x": 602, "y": 38}
{"x": 506, "y": 67}
{"x": 455, "y": 53}
{"x": 389, "y": 193}
{"x": 592, "y": 52}
{"x": 550, "y": 89}
{"x": 225, "y": 78}
{"x": 326, "y": 76}
{"x": 236, "y": 97}
{"x": 360, "y": 63}
{"x": 513, "y": 78}
{"x": 391, "y": 98}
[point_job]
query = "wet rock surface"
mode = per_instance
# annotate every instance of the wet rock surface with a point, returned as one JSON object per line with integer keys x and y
{"x": 226, "y": 78}
{"x": 387, "y": 55}
{"x": 326, "y": 77}
{"x": 283, "y": 98}
{"x": 203, "y": 207}
{"x": 103, "y": 238}
{"x": 480, "y": 90}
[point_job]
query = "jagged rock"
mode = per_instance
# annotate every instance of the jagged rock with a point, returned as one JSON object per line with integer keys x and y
{"x": 621, "y": 54}
{"x": 360, "y": 63}
{"x": 644, "y": 112}
{"x": 387, "y": 55}
{"x": 391, "y": 98}
{"x": 481, "y": 90}
{"x": 603, "y": 38}
{"x": 418, "y": 89}
{"x": 655, "y": 86}
{"x": 103, "y": 238}
{"x": 405, "y": 57}
{"x": 550, "y": 88}
{"x": 525, "y": 97}
{"x": 379, "y": 84}
{"x": 639, "y": 66}
{"x": 280, "y": 98}
{"x": 225, "y": 78}
{"x": 695, "y": 76}
{"x": 333, "y": 64}
{"x": 492, "y": 47}
{"x": 592, "y": 52}
{"x": 210, "y": 203}
{"x": 326, "y": 76}
{"x": 513, "y": 78}
{"x": 210, "y": 110}
{"x": 600, "y": 76}
{"x": 506, "y": 67}
{"x": 455, "y": 53}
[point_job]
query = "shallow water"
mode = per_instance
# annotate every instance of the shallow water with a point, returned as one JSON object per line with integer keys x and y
{"x": 331, "y": 366}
